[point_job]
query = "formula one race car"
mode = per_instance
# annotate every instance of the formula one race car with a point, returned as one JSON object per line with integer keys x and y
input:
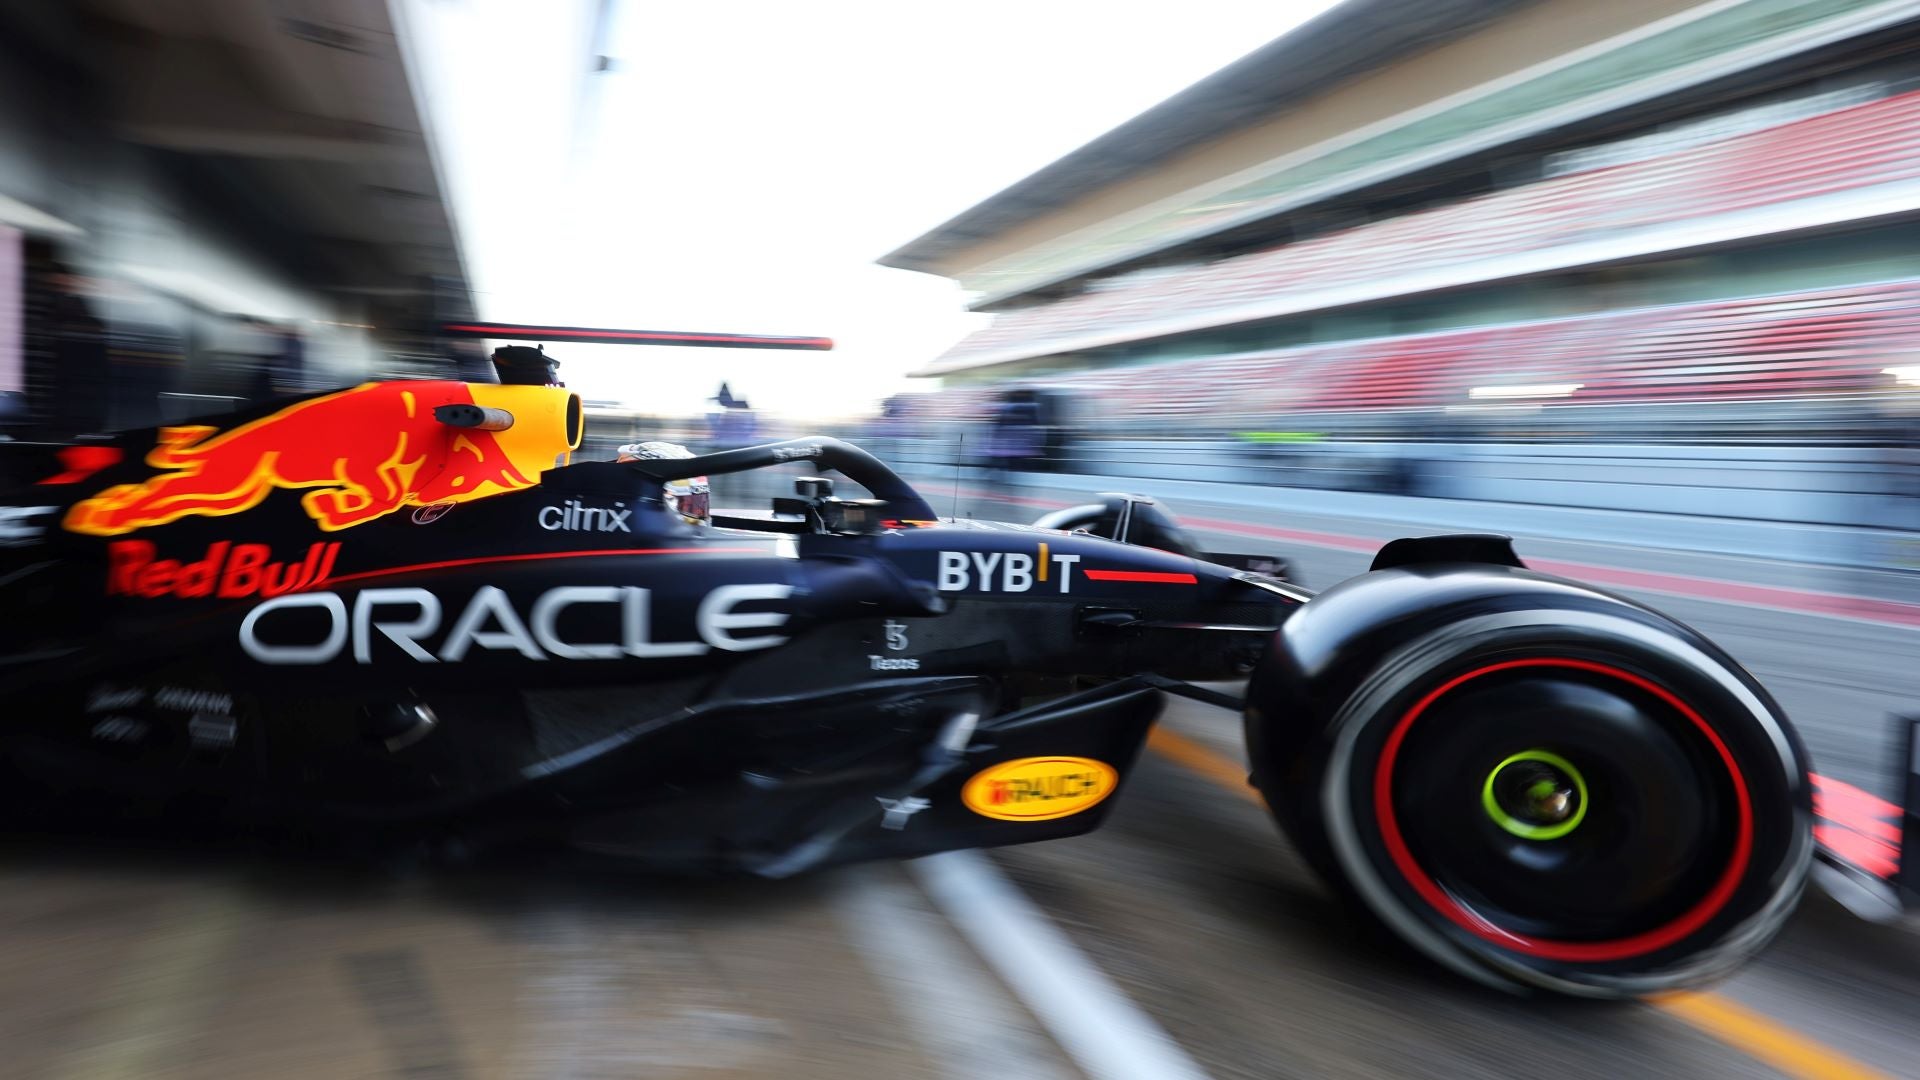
{"x": 404, "y": 605}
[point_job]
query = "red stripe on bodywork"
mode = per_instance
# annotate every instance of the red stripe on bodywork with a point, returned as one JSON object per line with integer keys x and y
{"x": 1153, "y": 576}
{"x": 484, "y": 560}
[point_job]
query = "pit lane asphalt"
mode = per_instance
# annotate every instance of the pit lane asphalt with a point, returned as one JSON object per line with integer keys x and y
{"x": 120, "y": 961}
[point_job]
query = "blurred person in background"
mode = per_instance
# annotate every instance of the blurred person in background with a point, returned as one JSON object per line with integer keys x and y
{"x": 1899, "y": 442}
{"x": 290, "y": 366}
{"x": 145, "y": 353}
{"x": 1016, "y": 437}
{"x": 887, "y": 436}
{"x": 734, "y": 425}
{"x": 1054, "y": 414}
{"x": 471, "y": 363}
{"x": 66, "y": 350}
{"x": 282, "y": 370}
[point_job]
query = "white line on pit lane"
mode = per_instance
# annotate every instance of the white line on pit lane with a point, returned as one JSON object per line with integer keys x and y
{"x": 1104, "y": 1033}
{"x": 963, "y": 1020}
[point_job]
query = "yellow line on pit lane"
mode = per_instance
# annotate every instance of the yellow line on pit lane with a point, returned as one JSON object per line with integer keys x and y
{"x": 1211, "y": 764}
{"x": 1762, "y": 1037}
{"x": 1759, "y": 1037}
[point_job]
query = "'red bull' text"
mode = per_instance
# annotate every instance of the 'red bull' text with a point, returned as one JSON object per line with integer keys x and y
{"x": 227, "y": 570}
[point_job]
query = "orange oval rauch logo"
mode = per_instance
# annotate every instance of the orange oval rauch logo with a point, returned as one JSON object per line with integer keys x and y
{"x": 1039, "y": 788}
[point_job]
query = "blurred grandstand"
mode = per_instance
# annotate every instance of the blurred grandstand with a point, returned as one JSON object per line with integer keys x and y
{"x": 1486, "y": 249}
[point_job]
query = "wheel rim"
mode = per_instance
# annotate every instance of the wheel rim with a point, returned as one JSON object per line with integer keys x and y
{"x": 1455, "y": 900}
{"x": 1535, "y": 795}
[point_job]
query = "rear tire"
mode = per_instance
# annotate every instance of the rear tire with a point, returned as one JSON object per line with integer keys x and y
{"x": 1569, "y": 801}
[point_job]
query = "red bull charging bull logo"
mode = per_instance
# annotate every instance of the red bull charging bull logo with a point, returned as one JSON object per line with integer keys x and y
{"x": 358, "y": 454}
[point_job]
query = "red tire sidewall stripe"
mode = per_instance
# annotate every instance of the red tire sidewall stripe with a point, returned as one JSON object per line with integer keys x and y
{"x": 1547, "y": 949}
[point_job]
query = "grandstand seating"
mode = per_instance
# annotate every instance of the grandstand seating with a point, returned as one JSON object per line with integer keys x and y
{"x": 1848, "y": 149}
{"x": 1764, "y": 348}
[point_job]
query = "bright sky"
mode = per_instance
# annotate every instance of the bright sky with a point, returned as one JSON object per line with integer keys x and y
{"x": 744, "y": 164}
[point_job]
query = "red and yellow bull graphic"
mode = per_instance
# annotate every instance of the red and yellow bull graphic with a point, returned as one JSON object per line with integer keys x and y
{"x": 359, "y": 454}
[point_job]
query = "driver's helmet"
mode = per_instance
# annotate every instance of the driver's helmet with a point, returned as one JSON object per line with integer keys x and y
{"x": 690, "y": 498}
